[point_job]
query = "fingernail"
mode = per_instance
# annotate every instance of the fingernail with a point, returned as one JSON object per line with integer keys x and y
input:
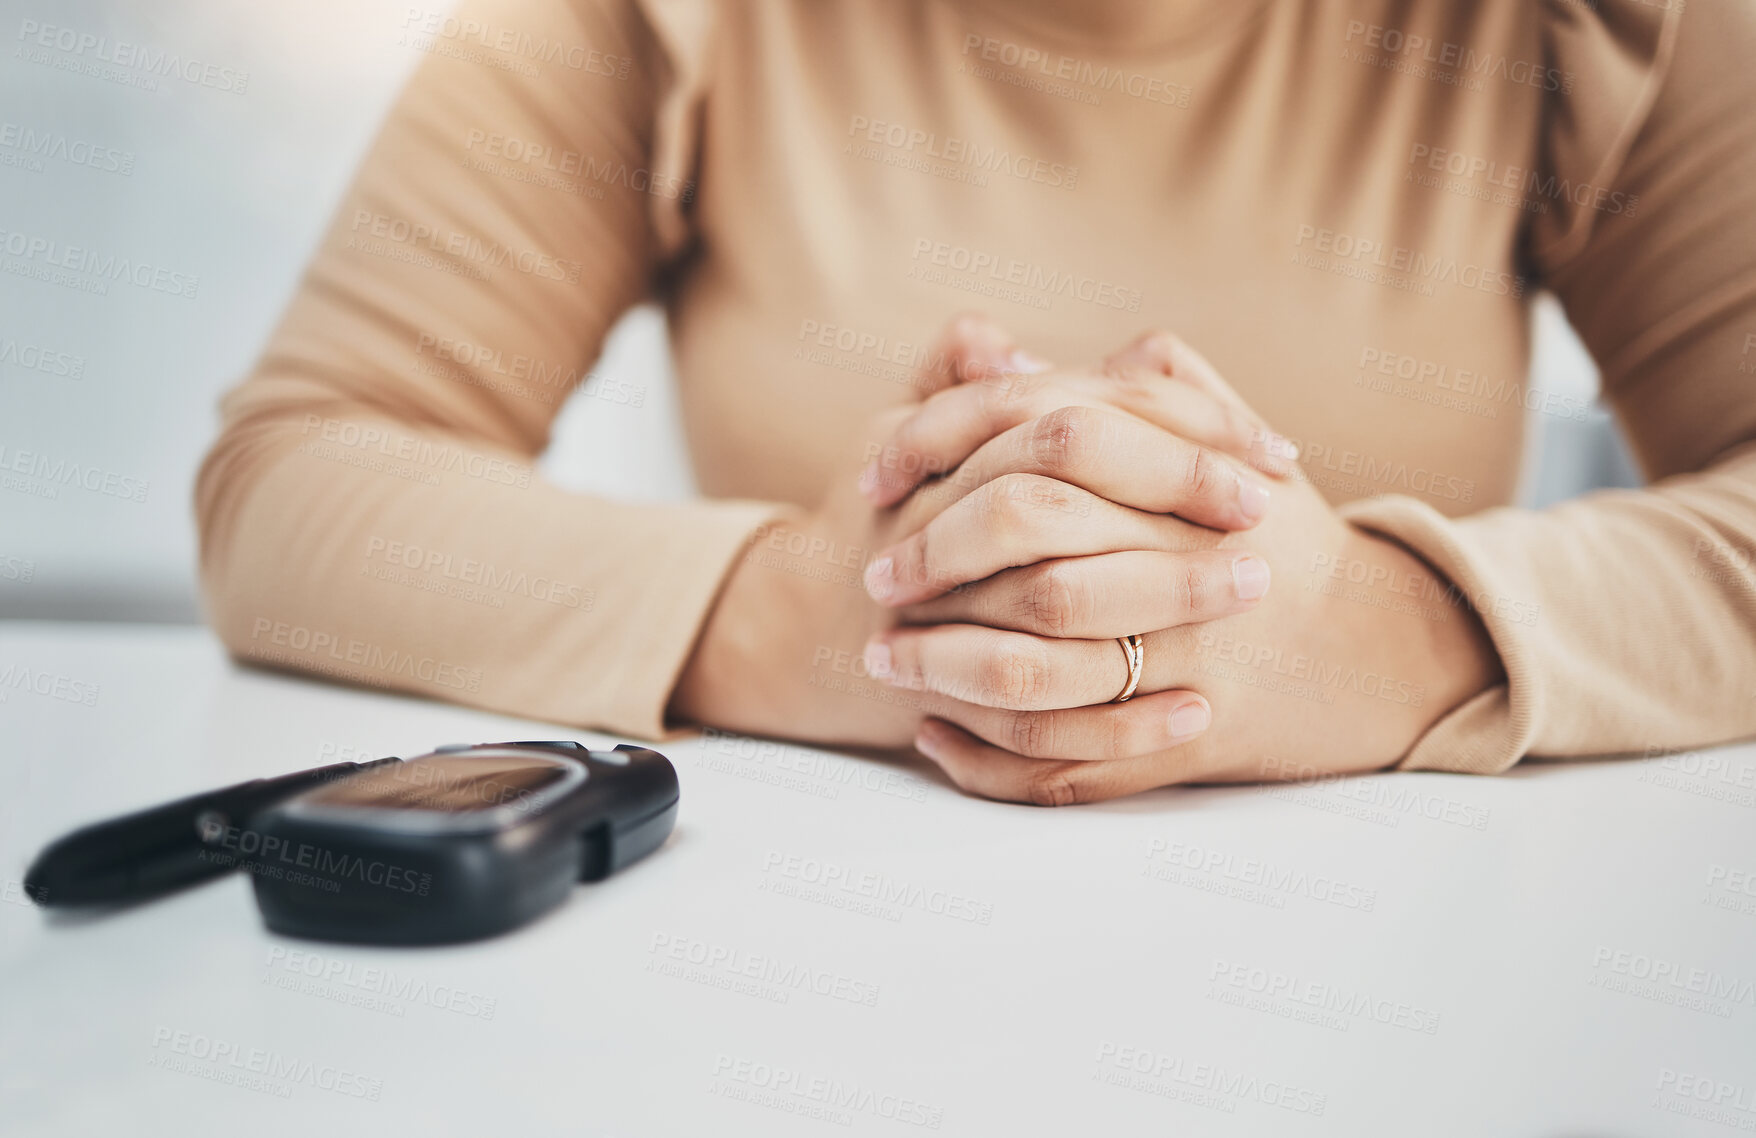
{"x": 1252, "y": 499}
{"x": 1022, "y": 361}
{"x": 879, "y": 584}
{"x": 1190, "y": 719}
{"x": 928, "y": 737}
{"x": 1281, "y": 447}
{"x": 878, "y": 658}
{"x": 1250, "y": 578}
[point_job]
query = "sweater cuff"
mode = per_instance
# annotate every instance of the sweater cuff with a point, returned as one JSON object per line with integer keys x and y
{"x": 696, "y": 544}
{"x": 1490, "y": 732}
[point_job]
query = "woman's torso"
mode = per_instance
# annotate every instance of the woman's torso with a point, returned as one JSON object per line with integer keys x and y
{"x": 1327, "y": 200}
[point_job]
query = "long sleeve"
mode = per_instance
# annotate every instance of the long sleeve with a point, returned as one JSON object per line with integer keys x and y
{"x": 370, "y": 510}
{"x": 1627, "y": 620}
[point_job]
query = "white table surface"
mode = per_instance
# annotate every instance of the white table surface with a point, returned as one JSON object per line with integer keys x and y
{"x": 1565, "y": 950}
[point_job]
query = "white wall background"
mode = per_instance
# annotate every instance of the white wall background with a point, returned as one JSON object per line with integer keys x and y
{"x": 234, "y": 187}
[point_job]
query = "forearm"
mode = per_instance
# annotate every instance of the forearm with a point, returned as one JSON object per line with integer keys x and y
{"x": 1623, "y": 620}
{"x": 373, "y": 553}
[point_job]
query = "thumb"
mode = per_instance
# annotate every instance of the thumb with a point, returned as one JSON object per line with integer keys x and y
{"x": 974, "y": 348}
{"x": 1168, "y": 355}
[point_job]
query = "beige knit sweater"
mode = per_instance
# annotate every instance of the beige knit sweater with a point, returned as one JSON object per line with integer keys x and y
{"x": 1345, "y": 204}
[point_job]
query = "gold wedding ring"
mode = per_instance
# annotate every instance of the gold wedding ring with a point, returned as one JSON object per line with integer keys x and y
{"x": 1135, "y": 648}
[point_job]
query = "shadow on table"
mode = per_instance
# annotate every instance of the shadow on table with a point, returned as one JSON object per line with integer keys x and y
{"x": 1202, "y": 796}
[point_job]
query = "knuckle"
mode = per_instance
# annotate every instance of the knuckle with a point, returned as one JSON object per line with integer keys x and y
{"x": 1193, "y": 590}
{"x": 1014, "y": 677}
{"x": 1030, "y": 733}
{"x": 937, "y": 407}
{"x": 1204, "y": 476}
{"x": 1161, "y": 345}
{"x": 1009, "y": 503}
{"x": 1047, "y": 496}
{"x": 1052, "y": 600}
{"x": 1117, "y": 741}
{"x": 1134, "y": 388}
{"x": 1058, "y": 441}
{"x": 915, "y": 563}
{"x": 1052, "y": 786}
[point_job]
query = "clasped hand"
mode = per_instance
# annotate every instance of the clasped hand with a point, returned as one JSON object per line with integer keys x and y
{"x": 1024, "y": 518}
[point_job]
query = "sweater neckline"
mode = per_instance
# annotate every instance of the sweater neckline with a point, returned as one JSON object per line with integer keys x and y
{"x": 1115, "y": 27}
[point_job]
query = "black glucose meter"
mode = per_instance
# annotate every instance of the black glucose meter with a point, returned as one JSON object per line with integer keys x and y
{"x": 460, "y": 843}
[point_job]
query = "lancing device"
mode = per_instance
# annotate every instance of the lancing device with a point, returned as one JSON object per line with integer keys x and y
{"x": 154, "y": 851}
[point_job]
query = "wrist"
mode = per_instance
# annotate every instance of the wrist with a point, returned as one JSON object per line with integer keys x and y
{"x": 779, "y": 653}
{"x": 722, "y": 682}
{"x": 1421, "y": 631}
